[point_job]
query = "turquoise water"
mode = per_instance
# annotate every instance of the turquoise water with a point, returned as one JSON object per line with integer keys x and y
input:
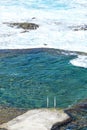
{"x": 35, "y": 4}
{"x": 28, "y": 77}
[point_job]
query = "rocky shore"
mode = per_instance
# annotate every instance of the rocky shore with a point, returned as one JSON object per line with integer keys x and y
{"x": 78, "y": 115}
{"x": 74, "y": 118}
{"x": 37, "y": 119}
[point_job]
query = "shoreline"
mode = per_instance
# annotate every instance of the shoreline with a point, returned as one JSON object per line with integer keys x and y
{"x": 39, "y": 119}
{"x": 26, "y": 50}
{"x": 74, "y": 116}
{"x": 78, "y": 60}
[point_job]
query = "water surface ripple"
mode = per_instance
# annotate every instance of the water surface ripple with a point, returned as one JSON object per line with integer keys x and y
{"x": 28, "y": 77}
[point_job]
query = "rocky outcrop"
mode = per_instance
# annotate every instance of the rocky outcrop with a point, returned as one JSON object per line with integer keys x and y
{"x": 78, "y": 114}
{"x": 79, "y": 27}
{"x": 24, "y": 25}
{"x": 56, "y": 126}
{"x": 38, "y": 119}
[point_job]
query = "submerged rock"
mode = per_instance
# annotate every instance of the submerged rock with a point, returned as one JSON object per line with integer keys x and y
{"x": 82, "y": 105}
{"x": 24, "y": 25}
{"x": 79, "y": 27}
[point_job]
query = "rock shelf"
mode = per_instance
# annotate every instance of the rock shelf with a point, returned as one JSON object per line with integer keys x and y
{"x": 38, "y": 119}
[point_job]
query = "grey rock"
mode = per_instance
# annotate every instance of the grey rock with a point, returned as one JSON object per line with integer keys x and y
{"x": 24, "y": 25}
{"x": 79, "y": 27}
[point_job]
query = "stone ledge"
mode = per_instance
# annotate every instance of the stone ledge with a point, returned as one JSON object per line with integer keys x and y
{"x": 38, "y": 119}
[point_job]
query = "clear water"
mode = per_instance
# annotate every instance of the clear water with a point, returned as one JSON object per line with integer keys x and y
{"x": 28, "y": 77}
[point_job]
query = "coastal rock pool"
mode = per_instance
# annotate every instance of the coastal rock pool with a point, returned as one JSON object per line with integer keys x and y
{"x": 28, "y": 77}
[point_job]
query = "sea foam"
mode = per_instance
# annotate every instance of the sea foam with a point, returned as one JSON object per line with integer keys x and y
{"x": 80, "y": 61}
{"x": 54, "y": 19}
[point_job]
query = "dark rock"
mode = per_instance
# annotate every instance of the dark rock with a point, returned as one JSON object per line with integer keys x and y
{"x": 24, "y": 31}
{"x": 56, "y": 126}
{"x": 45, "y": 44}
{"x": 79, "y": 27}
{"x": 78, "y": 115}
{"x": 33, "y": 18}
{"x": 72, "y": 126}
{"x": 24, "y": 25}
{"x": 83, "y": 105}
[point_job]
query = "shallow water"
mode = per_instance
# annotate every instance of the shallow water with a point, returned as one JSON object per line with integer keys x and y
{"x": 28, "y": 77}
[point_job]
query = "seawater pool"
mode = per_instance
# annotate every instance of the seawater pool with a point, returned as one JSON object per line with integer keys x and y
{"x": 27, "y": 77}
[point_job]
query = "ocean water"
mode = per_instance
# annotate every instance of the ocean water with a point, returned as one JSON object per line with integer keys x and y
{"x": 55, "y": 19}
{"x": 27, "y": 78}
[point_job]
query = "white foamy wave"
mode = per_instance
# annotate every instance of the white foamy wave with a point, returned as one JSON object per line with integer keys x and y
{"x": 53, "y": 18}
{"x": 80, "y": 61}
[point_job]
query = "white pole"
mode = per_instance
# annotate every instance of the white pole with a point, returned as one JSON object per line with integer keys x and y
{"x": 47, "y": 102}
{"x": 54, "y": 101}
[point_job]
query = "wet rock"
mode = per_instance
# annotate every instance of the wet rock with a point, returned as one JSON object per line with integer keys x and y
{"x": 79, "y": 27}
{"x": 45, "y": 44}
{"x": 83, "y": 105}
{"x": 56, "y": 126}
{"x": 71, "y": 126}
{"x": 24, "y": 25}
{"x": 33, "y": 18}
{"x": 78, "y": 114}
{"x": 24, "y": 31}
